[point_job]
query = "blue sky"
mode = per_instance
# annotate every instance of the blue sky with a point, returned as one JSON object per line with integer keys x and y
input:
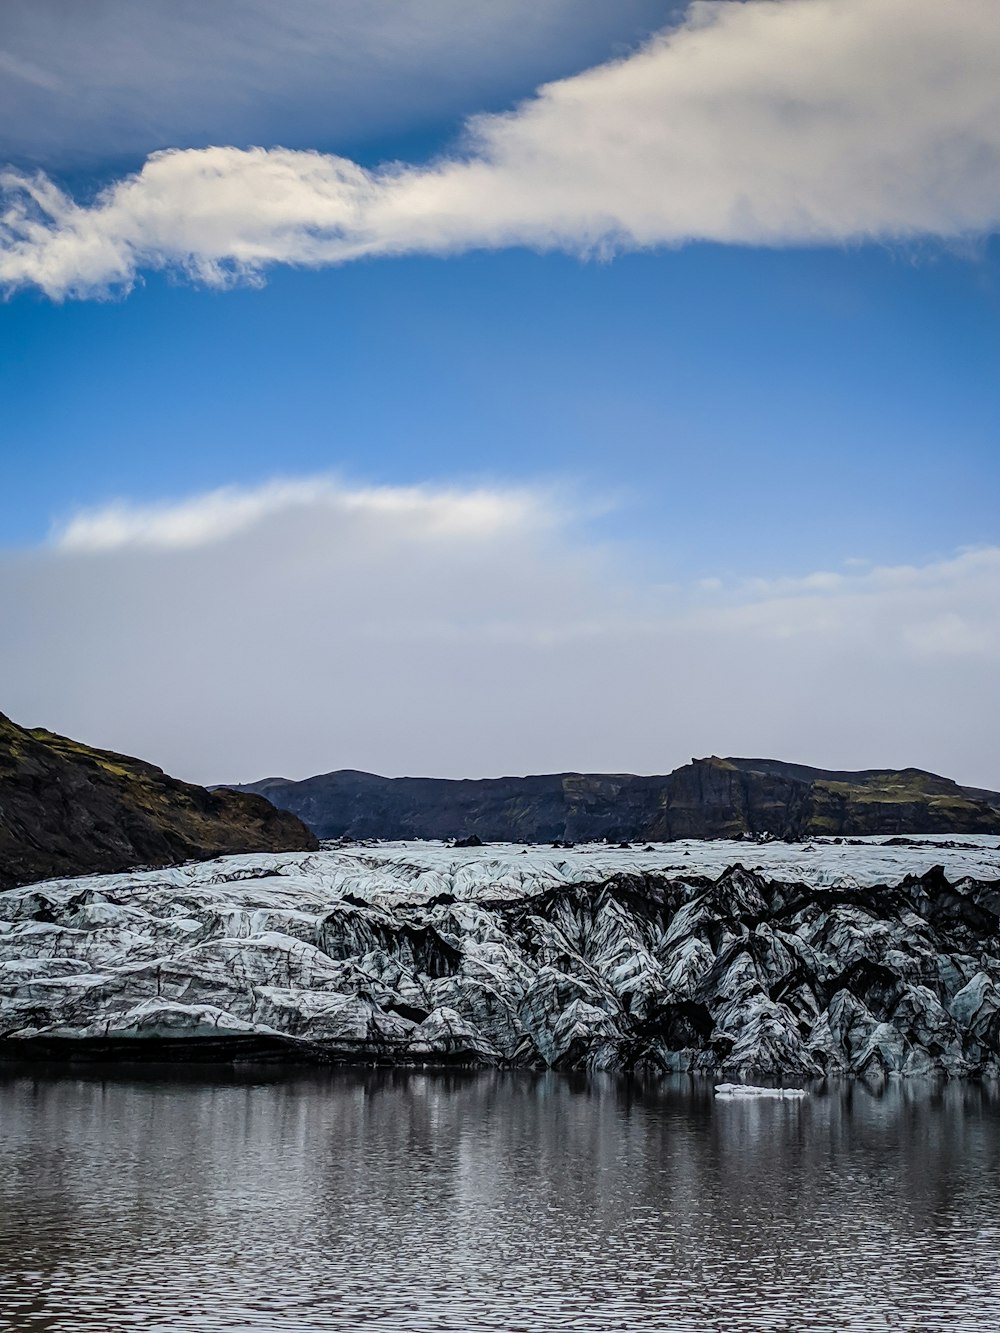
{"x": 777, "y": 411}
{"x": 727, "y": 414}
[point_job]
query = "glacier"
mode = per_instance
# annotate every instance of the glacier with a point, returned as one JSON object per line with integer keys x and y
{"x": 865, "y": 957}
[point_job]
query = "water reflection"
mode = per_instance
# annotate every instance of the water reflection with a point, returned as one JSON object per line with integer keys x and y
{"x": 386, "y": 1200}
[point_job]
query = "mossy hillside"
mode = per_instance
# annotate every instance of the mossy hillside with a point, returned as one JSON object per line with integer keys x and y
{"x": 67, "y": 808}
{"x": 906, "y": 801}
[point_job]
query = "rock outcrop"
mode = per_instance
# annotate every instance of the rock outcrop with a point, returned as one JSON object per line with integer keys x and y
{"x": 66, "y": 809}
{"x": 740, "y": 973}
{"x": 708, "y": 798}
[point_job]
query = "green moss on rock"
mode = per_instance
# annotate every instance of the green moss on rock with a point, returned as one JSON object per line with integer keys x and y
{"x": 69, "y": 809}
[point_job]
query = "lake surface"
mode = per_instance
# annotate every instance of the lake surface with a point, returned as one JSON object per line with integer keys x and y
{"x": 380, "y": 1200}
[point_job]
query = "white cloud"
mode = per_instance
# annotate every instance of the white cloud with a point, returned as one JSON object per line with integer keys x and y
{"x": 946, "y": 607}
{"x": 309, "y": 625}
{"x": 766, "y": 122}
{"x": 230, "y": 511}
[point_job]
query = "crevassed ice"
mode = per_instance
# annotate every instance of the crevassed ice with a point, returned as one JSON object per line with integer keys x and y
{"x": 590, "y": 957}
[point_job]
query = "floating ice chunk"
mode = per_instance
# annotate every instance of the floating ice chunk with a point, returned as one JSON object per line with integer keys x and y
{"x": 748, "y": 1090}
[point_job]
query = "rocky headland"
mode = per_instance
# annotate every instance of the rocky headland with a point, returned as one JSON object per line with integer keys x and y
{"x": 67, "y": 809}
{"x": 872, "y": 959}
{"x": 708, "y": 798}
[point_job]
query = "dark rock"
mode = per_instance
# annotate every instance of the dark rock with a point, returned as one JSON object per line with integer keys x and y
{"x": 756, "y": 799}
{"x": 68, "y": 809}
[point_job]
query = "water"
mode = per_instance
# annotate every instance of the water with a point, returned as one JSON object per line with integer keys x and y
{"x": 384, "y": 1201}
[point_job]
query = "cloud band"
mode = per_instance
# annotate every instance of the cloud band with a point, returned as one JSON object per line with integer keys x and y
{"x": 769, "y": 122}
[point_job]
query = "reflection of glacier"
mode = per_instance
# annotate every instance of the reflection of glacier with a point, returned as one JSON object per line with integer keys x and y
{"x": 585, "y": 958}
{"x": 389, "y": 1199}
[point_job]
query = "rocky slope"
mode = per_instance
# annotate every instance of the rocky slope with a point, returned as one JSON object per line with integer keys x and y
{"x": 576, "y": 960}
{"x": 708, "y": 798}
{"x": 66, "y": 809}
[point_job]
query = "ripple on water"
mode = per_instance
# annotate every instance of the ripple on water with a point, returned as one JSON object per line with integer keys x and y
{"x": 390, "y": 1201}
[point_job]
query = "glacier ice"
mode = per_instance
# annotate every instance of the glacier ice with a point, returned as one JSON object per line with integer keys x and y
{"x": 752, "y": 1090}
{"x": 715, "y": 957}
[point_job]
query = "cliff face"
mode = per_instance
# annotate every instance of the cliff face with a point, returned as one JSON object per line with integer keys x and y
{"x": 708, "y": 798}
{"x": 68, "y": 809}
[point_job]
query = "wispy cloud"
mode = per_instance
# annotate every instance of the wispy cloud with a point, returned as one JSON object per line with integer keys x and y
{"x": 27, "y": 72}
{"x": 115, "y": 80}
{"x": 420, "y": 512}
{"x": 767, "y": 122}
{"x": 943, "y": 608}
{"x": 309, "y": 625}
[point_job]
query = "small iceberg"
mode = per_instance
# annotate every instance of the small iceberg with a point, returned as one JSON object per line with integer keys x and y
{"x": 748, "y": 1090}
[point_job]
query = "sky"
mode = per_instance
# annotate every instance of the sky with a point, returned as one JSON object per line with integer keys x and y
{"x": 469, "y": 390}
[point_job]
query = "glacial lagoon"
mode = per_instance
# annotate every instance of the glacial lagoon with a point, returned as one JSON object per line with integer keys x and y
{"x": 267, "y": 1200}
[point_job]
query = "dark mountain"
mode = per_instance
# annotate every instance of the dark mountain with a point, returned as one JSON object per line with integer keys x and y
{"x": 67, "y": 809}
{"x": 708, "y": 798}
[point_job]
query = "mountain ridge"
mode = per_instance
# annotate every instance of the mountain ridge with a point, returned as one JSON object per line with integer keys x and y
{"x": 68, "y": 809}
{"x": 711, "y": 797}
